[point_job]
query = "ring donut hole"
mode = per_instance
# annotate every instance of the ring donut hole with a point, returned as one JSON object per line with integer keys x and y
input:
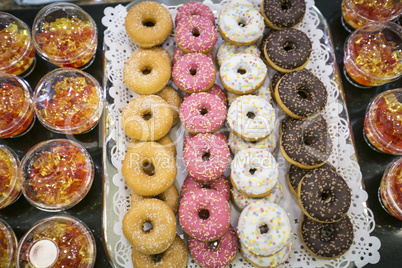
{"x": 193, "y": 71}
{"x": 326, "y": 232}
{"x": 250, "y": 115}
{"x": 241, "y": 71}
{"x": 252, "y": 171}
{"x": 326, "y": 196}
{"x": 206, "y": 156}
{"x": 289, "y": 46}
{"x": 147, "y": 115}
{"x": 213, "y": 244}
{"x": 195, "y": 32}
{"x": 148, "y": 22}
{"x": 147, "y": 226}
{"x": 285, "y": 5}
{"x": 203, "y": 111}
{"x": 147, "y": 167}
{"x": 242, "y": 23}
{"x": 303, "y": 93}
{"x": 263, "y": 229}
{"x": 203, "y": 214}
{"x": 146, "y": 70}
{"x": 206, "y": 186}
{"x": 157, "y": 257}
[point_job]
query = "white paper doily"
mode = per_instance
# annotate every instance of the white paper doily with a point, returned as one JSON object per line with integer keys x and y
{"x": 118, "y": 48}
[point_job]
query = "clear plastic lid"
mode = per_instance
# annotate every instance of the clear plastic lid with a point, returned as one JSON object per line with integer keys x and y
{"x": 8, "y": 245}
{"x": 59, "y": 241}
{"x": 56, "y": 174}
{"x": 10, "y": 189}
{"x": 68, "y": 101}
{"x": 390, "y": 188}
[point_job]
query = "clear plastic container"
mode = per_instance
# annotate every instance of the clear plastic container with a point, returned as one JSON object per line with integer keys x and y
{"x": 10, "y": 189}
{"x": 16, "y": 106}
{"x": 68, "y": 101}
{"x": 390, "y": 189}
{"x": 17, "y": 53}
{"x": 59, "y": 241}
{"x": 8, "y": 245}
{"x": 65, "y": 35}
{"x": 383, "y": 122}
{"x": 56, "y": 174}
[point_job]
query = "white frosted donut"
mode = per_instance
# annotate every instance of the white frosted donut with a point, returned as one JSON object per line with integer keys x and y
{"x": 251, "y": 118}
{"x": 270, "y": 261}
{"x": 264, "y": 228}
{"x": 238, "y": 144}
{"x": 263, "y": 92}
{"x": 243, "y": 73}
{"x": 241, "y": 201}
{"x": 254, "y": 172}
{"x": 227, "y": 50}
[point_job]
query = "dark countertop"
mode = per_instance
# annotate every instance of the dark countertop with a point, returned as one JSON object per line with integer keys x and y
{"x": 21, "y": 214}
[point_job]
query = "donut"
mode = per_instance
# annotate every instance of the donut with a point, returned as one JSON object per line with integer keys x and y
{"x": 146, "y": 72}
{"x": 215, "y": 254}
{"x": 307, "y": 143}
{"x": 264, "y": 228}
{"x": 301, "y": 94}
{"x": 243, "y": 73}
{"x": 147, "y": 118}
{"x": 196, "y": 34}
{"x": 216, "y": 90}
{"x": 251, "y": 118}
{"x": 202, "y": 113}
{"x": 177, "y": 54}
{"x": 219, "y": 134}
{"x": 326, "y": 240}
{"x": 194, "y": 8}
{"x": 262, "y": 92}
{"x": 148, "y": 24}
{"x": 220, "y": 185}
{"x": 172, "y": 97}
{"x": 204, "y": 215}
{"x": 274, "y": 81}
{"x": 152, "y": 212}
{"x": 241, "y": 201}
{"x": 254, "y": 172}
{"x": 287, "y": 50}
{"x": 174, "y": 257}
{"x": 241, "y": 24}
{"x": 206, "y": 157}
{"x": 149, "y": 169}
{"x": 161, "y": 51}
{"x": 170, "y": 197}
{"x": 271, "y": 261}
{"x": 324, "y": 196}
{"x": 166, "y": 142}
{"x": 227, "y": 50}
{"x": 194, "y": 72}
{"x": 237, "y": 144}
{"x": 280, "y": 14}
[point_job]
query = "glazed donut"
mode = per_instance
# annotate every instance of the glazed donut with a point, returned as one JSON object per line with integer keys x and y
{"x": 215, "y": 90}
{"x": 254, "y": 172}
{"x": 326, "y": 240}
{"x": 175, "y": 256}
{"x": 177, "y": 54}
{"x": 287, "y": 50}
{"x": 262, "y": 92}
{"x": 147, "y": 118}
{"x": 243, "y": 73}
{"x": 279, "y": 14}
{"x": 146, "y": 72}
{"x": 237, "y": 144}
{"x": 206, "y": 157}
{"x": 204, "y": 215}
{"x": 161, "y": 51}
{"x": 216, "y": 254}
{"x": 196, "y": 34}
{"x": 166, "y": 142}
{"x": 251, "y": 118}
{"x": 219, "y": 134}
{"x": 324, "y": 196}
{"x": 172, "y": 97}
{"x": 202, "y": 113}
{"x": 307, "y": 143}
{"x": 194, "y": 8}
{"x": 227, "y": 50}
{"x": 149, "y": 169}
{"x": 241, "y": 24}
{"x": 274, "y": 81}
{"x": 170, "y": 197}
{"x": 264, "y": 228}
{"x": 301, "y": 94}
{"x": 241, "y": 201}
{"x": 148, "y": 24}
{"x": 160, "y": 216}
{"x": 220, "y": 185}
{"x": 194, "y": 72}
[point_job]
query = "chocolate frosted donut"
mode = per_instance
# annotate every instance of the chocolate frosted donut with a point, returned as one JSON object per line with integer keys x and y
{"x": 306, "y": 143}
{"x": 327, "y": 240}
{"x": 279, "y": 14}
{"x": 301, "y": 94}
{"x": 324, "y": 196}
{"x": 287, "y": 50}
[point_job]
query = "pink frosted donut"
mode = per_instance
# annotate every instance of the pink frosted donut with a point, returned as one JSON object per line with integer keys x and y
{"x": 204, "y": 215}
{"x": 216, "y": 254}
{"x": 194, "y": 8}
{"x": 221, "y": 185}
{"x": 202, "y": 113}
{"x": 177, "y": 54}
{"x": 216, "y": 90}
{"x": 218, "y": 134}
{"x": 196, "y": 34}
{"x": 206, "y": 156}
{"x": 194, "y": 72}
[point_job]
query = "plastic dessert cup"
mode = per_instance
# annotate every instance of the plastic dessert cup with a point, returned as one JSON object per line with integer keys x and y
{"x": 56, "y": 174}
{"x": 391, "y": 189}
{"x": 8, "y": 245}
{"x": 10, "y": 189}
